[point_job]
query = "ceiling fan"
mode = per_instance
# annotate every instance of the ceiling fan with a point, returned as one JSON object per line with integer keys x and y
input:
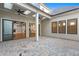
{"x": 20, "y": 12}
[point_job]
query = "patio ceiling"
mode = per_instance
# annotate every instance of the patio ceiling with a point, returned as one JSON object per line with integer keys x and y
{"x": 14, "y": 8}
{"x": 33, "y": 10}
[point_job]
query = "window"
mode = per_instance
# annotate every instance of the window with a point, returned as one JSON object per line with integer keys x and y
{"x": 54, "y": 27}
{"x": 62, "y": 26}
{"x": 72, "y": 26}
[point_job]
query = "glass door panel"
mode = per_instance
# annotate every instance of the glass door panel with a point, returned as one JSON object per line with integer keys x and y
{"x": 32, "y": 30}
{"x": 7, "y": 30}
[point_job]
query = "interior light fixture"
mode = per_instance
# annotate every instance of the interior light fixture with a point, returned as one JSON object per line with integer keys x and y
{"x": 33, "y": 15}
{"x": 27, "y": 12}
{"x": 8, "y": 5}
{"x": 59, "y": 24}
{"x": 72, "y": 23}
{"x": 64, "y": 24}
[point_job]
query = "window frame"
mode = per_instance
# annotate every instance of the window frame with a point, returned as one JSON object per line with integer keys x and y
{"x": 76, "y": 24}
{"x": 61, "y": 27}
{"x": 52, "y": 26}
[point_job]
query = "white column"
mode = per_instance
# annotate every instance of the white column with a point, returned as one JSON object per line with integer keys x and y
{"x": 66, "y": 27}
{"x": 1, "y": 31}
{"x": 37, "y": 27}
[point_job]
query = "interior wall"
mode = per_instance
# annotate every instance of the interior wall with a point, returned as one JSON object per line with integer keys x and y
{"x": 46, "y": 27}
{"x": 15, "y": 17}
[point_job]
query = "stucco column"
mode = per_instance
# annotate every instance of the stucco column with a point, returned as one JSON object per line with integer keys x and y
{"x": 37, "y": 27}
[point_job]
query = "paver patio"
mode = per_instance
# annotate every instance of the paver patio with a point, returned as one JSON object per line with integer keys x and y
{"x": 46, "y": 46}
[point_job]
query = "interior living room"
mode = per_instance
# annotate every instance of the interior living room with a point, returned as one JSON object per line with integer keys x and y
{"x": 34, "y": 29}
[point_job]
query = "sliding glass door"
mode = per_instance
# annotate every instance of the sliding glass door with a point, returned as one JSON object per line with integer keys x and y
{"x": 13, "y": 30}
{"x": 7, "y": 30}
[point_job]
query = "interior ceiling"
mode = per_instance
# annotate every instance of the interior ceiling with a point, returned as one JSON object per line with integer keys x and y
{"x": 13, "y": 9}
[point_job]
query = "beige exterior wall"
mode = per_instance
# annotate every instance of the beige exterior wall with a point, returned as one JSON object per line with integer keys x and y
{"x": 11, "y": 16}
{"x": 46, "y": 26}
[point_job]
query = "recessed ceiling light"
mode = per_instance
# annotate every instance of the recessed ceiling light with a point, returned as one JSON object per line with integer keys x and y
{"x": 8, "y": 5}
{"x": 27, "y": 12}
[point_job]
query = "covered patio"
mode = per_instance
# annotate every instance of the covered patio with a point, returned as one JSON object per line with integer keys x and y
{"x": 46, "y": 46}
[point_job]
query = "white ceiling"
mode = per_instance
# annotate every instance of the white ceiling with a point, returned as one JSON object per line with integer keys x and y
{"x": 13, "y": 9}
